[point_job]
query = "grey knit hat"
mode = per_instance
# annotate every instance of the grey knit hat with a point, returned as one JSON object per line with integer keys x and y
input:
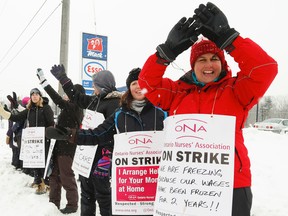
{"x": 104, "y": 81}
{"x": 36, "y": 91}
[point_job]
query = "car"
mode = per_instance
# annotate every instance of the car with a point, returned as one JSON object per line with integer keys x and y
{"x": 272, "y": 124}
{"x": 284, "y": 131}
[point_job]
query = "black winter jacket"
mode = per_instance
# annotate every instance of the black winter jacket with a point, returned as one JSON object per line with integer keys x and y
{"x": 36, "y": 117}
{"x": 70, "y": 116}
{"x": 107, "y": 104}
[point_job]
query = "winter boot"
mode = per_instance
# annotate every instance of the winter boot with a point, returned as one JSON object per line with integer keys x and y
{"x": 41, "y": 188}
{"x": 33, "y": 185}
{"x": 68, "y": 210}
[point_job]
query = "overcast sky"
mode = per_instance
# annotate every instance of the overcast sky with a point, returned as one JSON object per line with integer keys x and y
{"x": 134, "y": 29}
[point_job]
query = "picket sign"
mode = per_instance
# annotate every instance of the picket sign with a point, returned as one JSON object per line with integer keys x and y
{"x": 33, "y": 147}
{"x": 135, "y": 163}
{"x": 84, "y": 155}
{"x": 197, "y": 166}
{"x": 48, "y": 167}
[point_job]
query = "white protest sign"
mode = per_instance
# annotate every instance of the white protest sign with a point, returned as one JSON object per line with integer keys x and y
{"x": 197, "y": 166}
{"x": 84, "y": 155}
{"x": 135, "y": 164}
{"x": 33, "y": 147}
{"x": 50, "y": 151}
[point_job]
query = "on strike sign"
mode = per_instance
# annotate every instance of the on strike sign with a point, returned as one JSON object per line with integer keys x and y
{"x": 196, "y": 172}
{"x": 135, "y": 164}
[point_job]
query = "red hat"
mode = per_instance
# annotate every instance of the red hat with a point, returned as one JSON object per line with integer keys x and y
{"x": 203, "y": 46}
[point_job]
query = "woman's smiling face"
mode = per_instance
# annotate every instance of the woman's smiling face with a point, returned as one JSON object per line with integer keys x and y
{"x": 136, "y": 91}
{"x": 207, "y": 68}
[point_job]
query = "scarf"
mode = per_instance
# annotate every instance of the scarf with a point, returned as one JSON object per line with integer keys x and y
{"x": 138, "y": 105}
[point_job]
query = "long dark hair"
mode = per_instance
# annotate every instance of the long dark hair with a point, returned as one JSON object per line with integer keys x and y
{"x": 126, "y": 99}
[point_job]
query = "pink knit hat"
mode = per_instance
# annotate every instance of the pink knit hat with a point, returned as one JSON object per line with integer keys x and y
{"x": 25, "y": 101}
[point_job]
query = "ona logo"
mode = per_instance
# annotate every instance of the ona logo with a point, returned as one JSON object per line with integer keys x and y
{"x": 140, "y": 140}
{"x": 95, "y": 44}
{"x": 188, "y": 126}
{"x": 93, "y": 67}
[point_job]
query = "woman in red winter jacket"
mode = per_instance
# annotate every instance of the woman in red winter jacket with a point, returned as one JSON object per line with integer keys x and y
{"x": 209, "y": 88}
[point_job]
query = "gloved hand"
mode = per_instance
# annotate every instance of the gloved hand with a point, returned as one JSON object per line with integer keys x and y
{"x": 103, "y": 166}
{"x": 6, "y": 108}
{"x": 41, "y": 77}
{"x": 58, "y": 72}
{"x": 180, "y": 38}
{"x": 3, "y": 113}
{"x": 13, "y": 100}
{"x": 214, "y": 25}
{"x": 61, "y": 133}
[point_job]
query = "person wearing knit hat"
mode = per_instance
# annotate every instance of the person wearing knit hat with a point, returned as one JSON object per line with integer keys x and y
{"x": 103, "y": 82}
{"x": 35, "y": 91}
{"x": 133, "y": 75}
{"x": 38, "y": 113}
{"x": 210, "y": 88}
{"x": 105, "y": 100}
{"x": 135, "y": 113}
{"x": 62, "y": 175}
{"x": 202, "y": 49}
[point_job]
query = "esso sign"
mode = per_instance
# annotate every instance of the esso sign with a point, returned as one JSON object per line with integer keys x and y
{"x": 92, "y": 68}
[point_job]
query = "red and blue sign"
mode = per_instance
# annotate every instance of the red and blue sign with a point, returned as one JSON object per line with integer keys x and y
{"x": 94, "y": 46}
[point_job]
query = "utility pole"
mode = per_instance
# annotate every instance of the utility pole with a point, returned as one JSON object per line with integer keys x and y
{"x": 64, "y": 38}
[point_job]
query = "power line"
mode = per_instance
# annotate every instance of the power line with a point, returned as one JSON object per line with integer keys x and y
{"x": 94, "y": 14}
{"x": 9, "y": 49}
{"x": 31, "y": 37}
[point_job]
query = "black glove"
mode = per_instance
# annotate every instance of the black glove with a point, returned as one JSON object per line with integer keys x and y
{"x": 6, "y": 108}
{"x": 13, "y": 101}
{"x": 58, "y": 72}
{"x": 214, "y": 25}
{"x": 180, "y": 38}
{"x": 61, "y": 133}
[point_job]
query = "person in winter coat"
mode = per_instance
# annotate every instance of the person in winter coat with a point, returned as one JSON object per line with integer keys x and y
{"x": 209, "y": 86}
{"x": 14, "y": 108}
{"x": 136, "y": 113}
{"x": 37, "y": 114}
{"x": 63, "y": 153}
{"x": 105, "y": 100}
{"x": 15, "y": 130}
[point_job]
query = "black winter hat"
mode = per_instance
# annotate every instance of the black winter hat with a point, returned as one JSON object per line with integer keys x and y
{"x": 133, "y": 75}
{"x": 35, "y": 90}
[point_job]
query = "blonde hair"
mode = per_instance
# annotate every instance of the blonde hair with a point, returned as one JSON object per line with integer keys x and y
{"x": 38, "y": 104}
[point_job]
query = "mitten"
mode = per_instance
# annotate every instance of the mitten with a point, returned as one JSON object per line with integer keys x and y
{"x": 13, "y": 100}
{"x": 59, "y": 73}
{"x": 180, "y": 38}
{"x": 41, "y": 77}
{"x": 214, "y": 25}
{"x": 3, "y": 113}
{"x": 6, "y": 108}
{"x": 103, "y": 166}
{"x": 61, "y": 133}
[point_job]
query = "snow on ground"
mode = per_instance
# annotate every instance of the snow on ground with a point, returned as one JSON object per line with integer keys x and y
{"x": 268, "y": 153}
